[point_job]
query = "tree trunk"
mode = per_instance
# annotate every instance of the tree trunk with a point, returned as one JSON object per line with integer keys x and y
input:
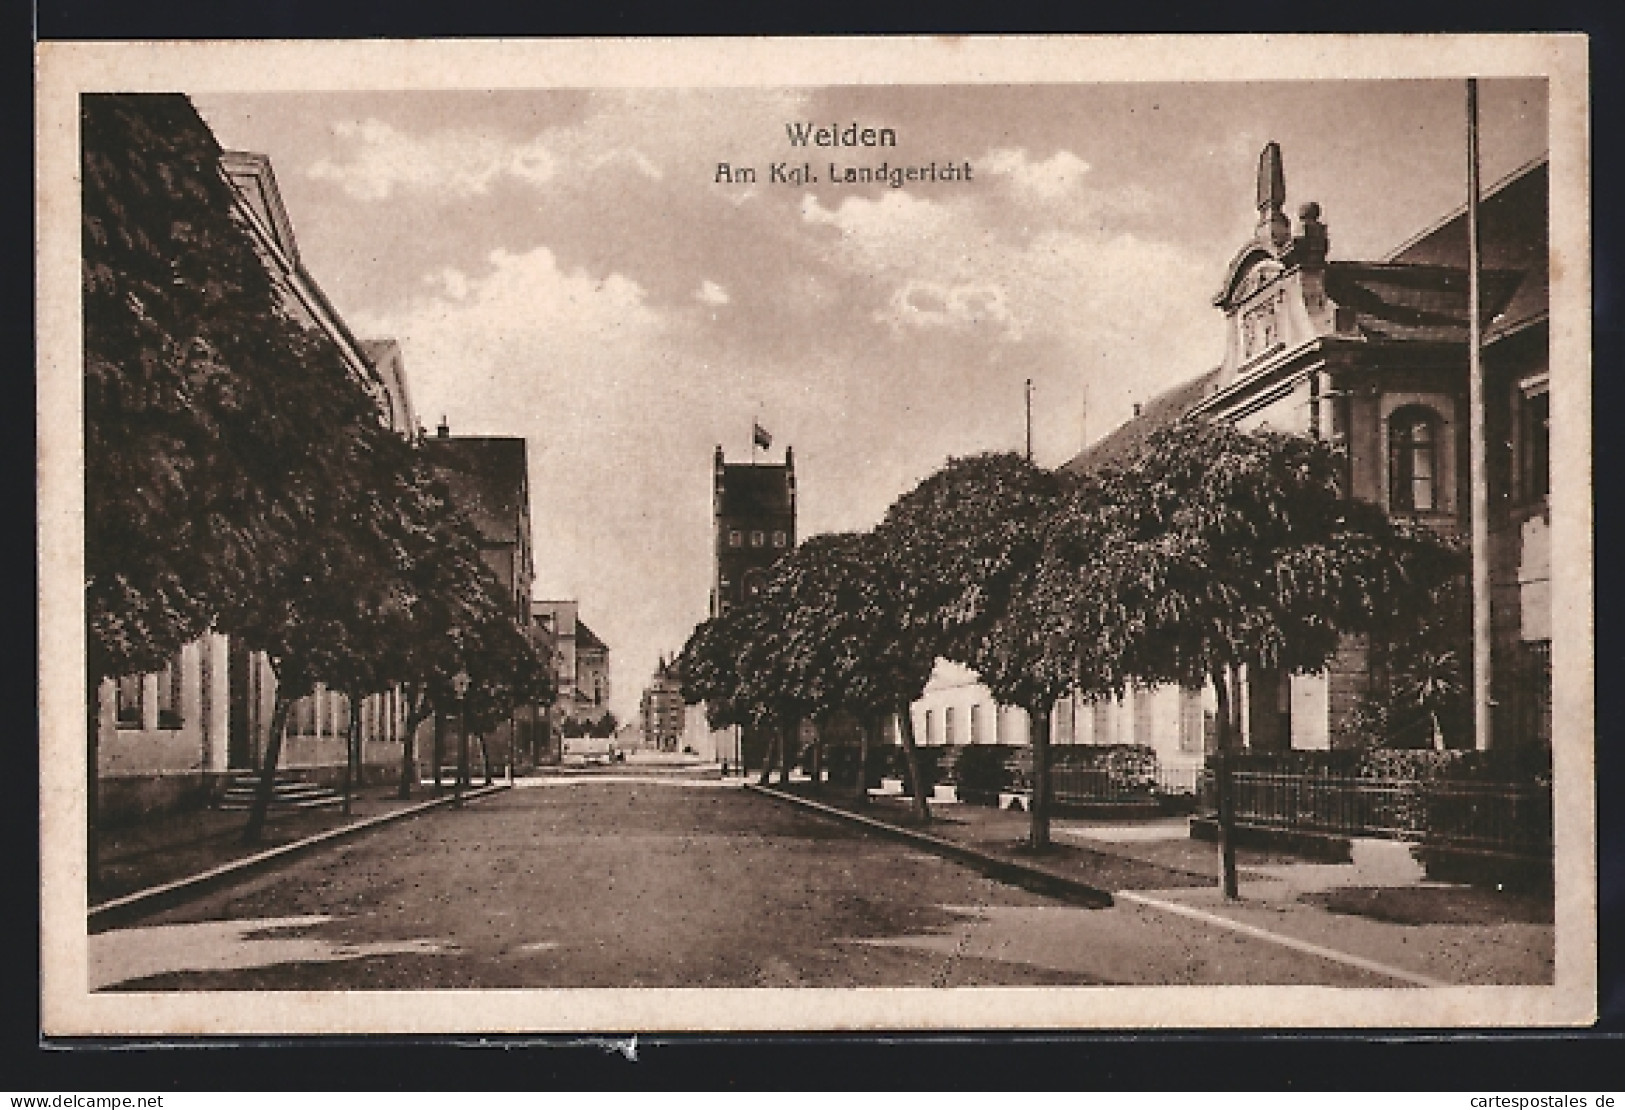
{"x": 768, "y": 756}
{"x": 93, "y": 750}
{"x": 352, "y": 750}
{"x": 267, "y": 783}
{"x": 485, "y": 758}
{"x": 1223, "y": 788}
{"x": 861, "y": 792}
{"x": 462, "y": 751}
{"x": 905, "y": 724}
{"x": 439, "y": 746}
{"x": 786, "y": 731}
{"x": 415, "y": 717}
{"x": 1038, "y": 737}
{"x": 818, "y": 761}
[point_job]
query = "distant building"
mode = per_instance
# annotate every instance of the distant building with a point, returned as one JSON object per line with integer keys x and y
{"x": 754, "y": 521}
{"x": 580, "y": 670}
{"x": 661, "y": 713}
{"x": 753, "y": 513}
{"x": 489, "y": 480}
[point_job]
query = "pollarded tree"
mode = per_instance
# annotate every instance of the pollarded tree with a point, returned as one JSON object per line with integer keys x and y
{"x": 505, "y": 671}
{"x": 956, "y": 549}
{"x": 451, "y": 594}
{"x": 312, "y": 463}
{"x": 842, "y": 626}
{"x": 1239, "y": 550}
{"x": 183, "y": 325}
{"x": 213, "y": 420}
{"x": 1049, "y": 641}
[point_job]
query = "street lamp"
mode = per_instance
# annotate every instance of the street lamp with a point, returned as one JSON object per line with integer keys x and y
{"x": 459, "y": 686}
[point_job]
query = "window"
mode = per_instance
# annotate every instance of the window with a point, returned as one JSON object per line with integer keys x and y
{"x": 754, "y": 581}
{"x": 1190, "y": 720}
{"x": 930, "y": 727}
{"x": 131, "y": 697}
{"x": 1413, "y": 441}
{"x": 948, "y": 725}
{"x": 756, "y": 539}
{"x": 779, "y": 539}
{"x": 129, "y": 701}
{"x": 975, "y": 724}
{"x": 736, "y": 538}
{"x": 1535, "y": 447}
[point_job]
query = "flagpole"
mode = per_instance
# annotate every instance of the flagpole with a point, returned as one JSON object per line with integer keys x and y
{"x": 1029, "y": 420}
{"x": 1477, "y": 442}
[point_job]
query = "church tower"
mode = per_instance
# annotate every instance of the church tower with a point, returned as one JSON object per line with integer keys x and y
{"x": 753, "y": 508}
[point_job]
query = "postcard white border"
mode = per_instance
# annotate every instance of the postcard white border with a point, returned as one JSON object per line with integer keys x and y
{"x": 64, "y": 70}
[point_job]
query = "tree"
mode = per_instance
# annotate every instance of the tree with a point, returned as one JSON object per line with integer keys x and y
{"x": 505, "y": 671}
{"x": 955, "y": 549}
{"x": 452, "y": 594}
{"x": 1046, "y": 643}
{"x": 1238, "y": 550}
{"x": 833, "y": 632}
{"x": 311, "y": 462}
{"x": 212, "y": 417}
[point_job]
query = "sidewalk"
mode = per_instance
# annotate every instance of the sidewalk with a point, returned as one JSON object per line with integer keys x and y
{"x": 174, "y": 847}
{"x": 1374, "y": 913}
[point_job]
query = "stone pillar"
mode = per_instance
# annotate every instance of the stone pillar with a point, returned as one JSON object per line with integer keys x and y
{"x": 106, "y": 721}
{"x": 1311, "y": 712}
{"x": 318, "y": 705}
{"x": 149, "y": 703}
{"x": 217, "y": 683}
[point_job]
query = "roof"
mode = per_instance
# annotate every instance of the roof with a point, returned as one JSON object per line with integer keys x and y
{"x": 1127, "y": 440}
{"x": 1416, "y": 302}
{"x": 1513, "y": 236}
{"x": 488, "y": 479}
{"x": 750, "y": 489}
{"x": 587, "y": 639}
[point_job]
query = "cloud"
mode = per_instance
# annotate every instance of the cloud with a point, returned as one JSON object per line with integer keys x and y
{"x": 457, "y": 164}
{"x": 1052, "y": 179}
{"x": 712, "y": 293}
{"x": 924, "y": 304}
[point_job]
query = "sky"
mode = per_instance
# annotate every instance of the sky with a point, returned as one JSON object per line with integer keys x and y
{"x": 565, "y": 265}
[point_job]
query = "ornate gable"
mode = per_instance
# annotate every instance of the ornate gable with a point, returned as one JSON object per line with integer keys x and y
{"x": 1274, "y": 293}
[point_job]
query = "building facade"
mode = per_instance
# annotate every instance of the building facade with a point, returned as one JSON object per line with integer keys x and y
{"x": 662, "y": 716}
{"x": 1373, "y": 356}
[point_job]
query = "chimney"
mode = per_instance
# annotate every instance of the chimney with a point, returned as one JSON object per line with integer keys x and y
{"x": 444, "y": 430}
{"x": 1136, "y": 408}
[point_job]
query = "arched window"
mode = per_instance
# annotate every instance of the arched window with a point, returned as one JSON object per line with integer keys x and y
{"x": 1413, "y": 460}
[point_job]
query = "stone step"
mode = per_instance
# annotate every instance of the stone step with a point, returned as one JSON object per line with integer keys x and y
{"x": 287, "y": 792}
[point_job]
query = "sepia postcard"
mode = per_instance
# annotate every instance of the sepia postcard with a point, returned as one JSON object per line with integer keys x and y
{"x": 840, "y": 534}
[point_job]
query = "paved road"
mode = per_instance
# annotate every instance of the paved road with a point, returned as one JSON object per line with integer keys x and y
{"x": 617, "y": 882}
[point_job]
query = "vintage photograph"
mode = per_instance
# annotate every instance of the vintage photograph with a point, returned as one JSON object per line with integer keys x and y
{"x": 744, "y": 535}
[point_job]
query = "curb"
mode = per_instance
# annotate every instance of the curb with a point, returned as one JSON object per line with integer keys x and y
{"x": 1015, "y": 873}
{"x": 142, "y": 902}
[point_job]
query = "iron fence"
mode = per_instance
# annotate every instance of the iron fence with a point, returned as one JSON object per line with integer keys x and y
{"x": 1505, "y": 817}
{"x": 1108, "y": 784}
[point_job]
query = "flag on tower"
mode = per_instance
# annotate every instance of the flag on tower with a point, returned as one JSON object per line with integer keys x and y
{"x": 759, "y": 436}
